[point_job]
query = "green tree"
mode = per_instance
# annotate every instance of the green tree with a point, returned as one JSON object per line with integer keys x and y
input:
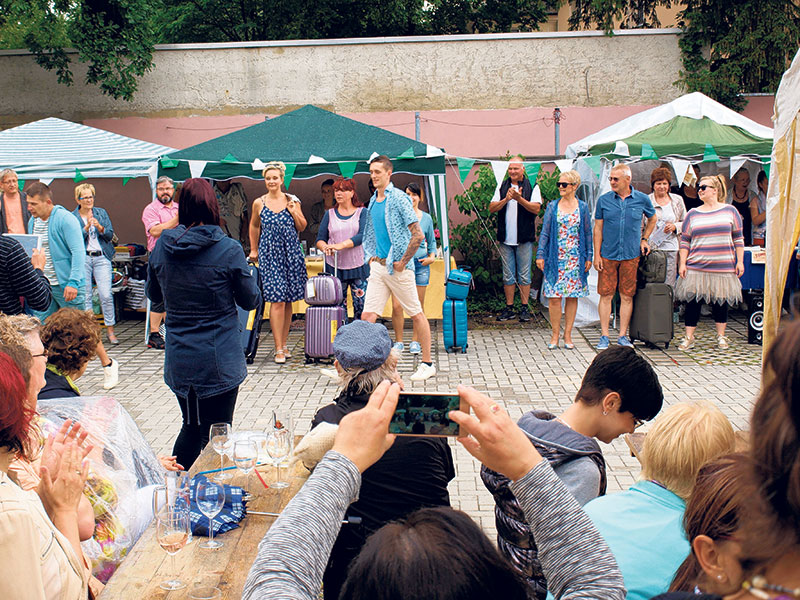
{"x": 737, "y": 46}
{"x": 486, "y": 16}
{"x": 609, "y": 14}
{"x": 114, "y": 38}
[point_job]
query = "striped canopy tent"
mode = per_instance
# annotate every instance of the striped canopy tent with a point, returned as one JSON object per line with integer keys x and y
{"x": 56, "y": 149}
{"x": 312, "y": 142}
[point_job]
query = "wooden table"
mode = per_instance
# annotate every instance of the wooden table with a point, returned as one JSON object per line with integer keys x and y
{"x": 147, "y": 565}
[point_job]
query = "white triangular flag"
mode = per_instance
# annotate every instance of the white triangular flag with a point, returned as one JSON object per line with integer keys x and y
{"x": 737, "y": 162}
{"x": 152, "y": 172}
{"x": 258, "y": 165}
{"x": 196, "y": 167}
{"x": 621, "y": 149}
{"x": 680, "y": 167}
{"x": 315, "y": 160}
{"x": 433, "y": 151}
{"x": 500, "y": 167}
{"x": 46, "y": 180}
{"x": 565, "y": 164}
{"x": 372, "y": 157}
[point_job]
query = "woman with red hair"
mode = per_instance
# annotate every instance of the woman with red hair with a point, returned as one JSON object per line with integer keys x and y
{"x": 39, "y": 542}
{"x": 340, "y": 233}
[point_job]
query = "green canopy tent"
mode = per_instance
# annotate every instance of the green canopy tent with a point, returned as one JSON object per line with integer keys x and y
{"x": 312, "y": 141}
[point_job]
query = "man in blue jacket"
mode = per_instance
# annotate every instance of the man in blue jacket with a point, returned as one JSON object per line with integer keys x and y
{"x": 65, "y": 258}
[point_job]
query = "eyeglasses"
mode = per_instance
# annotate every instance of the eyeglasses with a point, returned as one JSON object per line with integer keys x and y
{"x": 704, "y": 187}
{"x": 43, "y": 355}
{"x": 563, "y": 184}
{"x": 86, "y": 198}
{"x": 637, "y": 423}
{"x": 614, "y": 178}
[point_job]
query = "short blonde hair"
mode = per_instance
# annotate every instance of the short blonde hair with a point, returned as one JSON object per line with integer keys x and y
{"x": 718, "y": 183}
{"x": 622, "y": 167}
{"x": 82, "y": 187}
{"x": 274, "y": 165}
{"x": 572, "y": 176}
{"x": 683, "y": 438}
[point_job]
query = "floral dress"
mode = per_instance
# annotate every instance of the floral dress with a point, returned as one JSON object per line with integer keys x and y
{"x": 280, "y": 257}
{"x": 569, "y": 284}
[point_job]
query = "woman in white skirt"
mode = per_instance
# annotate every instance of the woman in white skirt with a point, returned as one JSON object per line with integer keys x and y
{"x": 710, "y": 259}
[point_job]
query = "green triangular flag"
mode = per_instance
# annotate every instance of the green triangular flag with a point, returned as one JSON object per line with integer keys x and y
{"x": 348, "y": 169}
{"x": 229, "y": 158}
{"x": 464, "y": 167}
{"x": 20, "y": 184}
{"x": 709, "y": 154}
{"x": 408, "y": 153}
{"x": 532, "y": 171}
{"x": 595, "y": 163}
{"x": 125, "y": 180}
{"x": 648, "y": 153}
{"x": 78, "y": 176}
{"x": 169, "y": 163}
{"x": 287, "y": 177}
{"x": 766, "y": 166}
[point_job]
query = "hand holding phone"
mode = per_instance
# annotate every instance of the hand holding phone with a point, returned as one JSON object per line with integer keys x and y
{"x": 426, "y": 414}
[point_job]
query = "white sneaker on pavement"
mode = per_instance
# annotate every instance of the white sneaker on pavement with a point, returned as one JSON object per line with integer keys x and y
{"x": 111, "y": 375}
{"x": 330, "y": 372}
{"x": 423, "y": 372}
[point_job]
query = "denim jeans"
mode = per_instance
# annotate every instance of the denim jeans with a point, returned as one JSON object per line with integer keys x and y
{"x": 516, "y": 263}
{"x": 100, "y": 267}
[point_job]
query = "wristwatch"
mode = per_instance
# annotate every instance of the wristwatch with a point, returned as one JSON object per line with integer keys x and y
{"x": 644, "y": 239}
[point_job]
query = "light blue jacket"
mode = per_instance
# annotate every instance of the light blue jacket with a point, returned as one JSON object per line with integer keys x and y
{"x": 548, "y": 241}
{"x": 108, "y": 230}
{"x": 399, "y": 215}
{"x": 66, "y": 247}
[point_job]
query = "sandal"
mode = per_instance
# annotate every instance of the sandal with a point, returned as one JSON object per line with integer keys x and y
{"x": 687, "y": 343}
{"x": 286, "y": 352}
{"x": 280, "y": 357}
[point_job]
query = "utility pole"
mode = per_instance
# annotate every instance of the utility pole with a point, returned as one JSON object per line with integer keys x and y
{"x": 416, "y": 125}
{"x": 557, "y": 120}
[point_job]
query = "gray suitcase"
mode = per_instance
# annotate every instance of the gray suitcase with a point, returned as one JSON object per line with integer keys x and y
{"x": 651, "y": 321}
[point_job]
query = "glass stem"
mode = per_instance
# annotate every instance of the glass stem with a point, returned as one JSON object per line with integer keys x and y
{"x": 221, "y": 463}
{"x": 279, "y": 471}
{"x": 174, "y": 568}
{"x": 210, "y": 529}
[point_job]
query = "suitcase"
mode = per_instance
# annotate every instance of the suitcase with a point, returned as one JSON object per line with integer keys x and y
{"x": 651, "y": 321}
{"x": 322, "y": 323}
{"x": 250, "y": 322}
{"x": 652, "y": 268}
{"x": 454, "y": 325}
{"x": 325, "y": 289}
{"x": 458, "y": 283}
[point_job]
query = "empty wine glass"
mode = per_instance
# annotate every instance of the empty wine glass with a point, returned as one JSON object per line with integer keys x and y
{"x": 279, "y": 445}
{"x": 220, "y": 434}
{"x": 245, "y": 455}
{"x": 210, "y": 498}
{"x": 172, "y": 532}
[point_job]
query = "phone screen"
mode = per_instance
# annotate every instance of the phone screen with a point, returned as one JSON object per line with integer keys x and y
{"x": 421, "y": 413}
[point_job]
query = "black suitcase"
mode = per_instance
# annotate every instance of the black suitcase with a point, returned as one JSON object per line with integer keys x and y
{"x": 651, "y": 321}
{"x": 250, "y": 322}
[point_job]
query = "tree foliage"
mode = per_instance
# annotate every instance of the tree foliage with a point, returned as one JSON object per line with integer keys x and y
{"x": 610, "y": 14}
{"x": 114, "y": 38}
{"x": 486, "y": 16}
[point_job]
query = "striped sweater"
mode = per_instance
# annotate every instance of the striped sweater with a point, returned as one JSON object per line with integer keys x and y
{"x": 18, "y": 279}
{"x": 711, "y": 239}
{"x": 292, "y": 556}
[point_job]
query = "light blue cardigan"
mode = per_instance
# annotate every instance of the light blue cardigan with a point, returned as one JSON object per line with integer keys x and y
{"x": 66, "y": 247}
{"x": 548, "y": 241}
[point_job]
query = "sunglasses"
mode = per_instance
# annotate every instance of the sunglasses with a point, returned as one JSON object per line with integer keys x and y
{"x": 613, "y": 178}
{"x": 704, "y": 187}
{"x": 563, "y": 184}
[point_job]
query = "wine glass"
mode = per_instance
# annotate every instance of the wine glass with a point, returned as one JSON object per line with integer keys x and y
{"x": 210, "y": 498}
{"x": 245, "y": 455}
{"x": 278, "y": 447}
{"x": 172, "y": 532}
{"x": 220, "y": 434}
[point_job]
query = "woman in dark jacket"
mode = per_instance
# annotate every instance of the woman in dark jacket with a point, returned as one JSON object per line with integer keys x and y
{"x": 201, "y": 275}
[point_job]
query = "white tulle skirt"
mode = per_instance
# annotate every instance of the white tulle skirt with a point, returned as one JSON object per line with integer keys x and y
{"x": 709, "y": 287}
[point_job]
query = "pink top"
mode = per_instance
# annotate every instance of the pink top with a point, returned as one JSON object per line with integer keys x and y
{"x": 340, "y": 230}
{"x": 154, "y": 214}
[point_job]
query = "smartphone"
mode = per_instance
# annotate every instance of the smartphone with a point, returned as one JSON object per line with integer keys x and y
{"x": 426, "y": 413}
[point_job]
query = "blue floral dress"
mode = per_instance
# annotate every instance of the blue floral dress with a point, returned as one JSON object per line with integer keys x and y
{"x": 280, "y": 257}
{"x": 569, "y": 284}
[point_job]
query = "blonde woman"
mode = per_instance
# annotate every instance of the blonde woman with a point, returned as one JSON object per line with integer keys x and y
{"x": 565, "y": 255}
{"x": 274, "y": 226}
{"x": 710, "y": 259}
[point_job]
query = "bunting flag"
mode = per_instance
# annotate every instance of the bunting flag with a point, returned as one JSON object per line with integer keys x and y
{"x": 316, "y": 160}
{"x": 152, "y": 172}
{"x": 258, "y": 165}
{"x": 49, "y": 180}
{"x": 348, "y": 169}
{"x": 372, "y": 157}
{"x": 709, "y": 154}
{"x": 78, "y": 176}
{"x": 196, "y": 167}
{"x": 680, "y": 167}
{"x": 595, "y": 163}
{"x": 125, "y": 181}
{"x": 287, "y": 177}
{"x": 20, "y": 184}
{"x": 532, "y": 171}
{"x": 432, "y": 151}
{"x": 648, "y": 153}
{"x": 621, "y": 149}
{"x": 407, "y": 154}
{"x": 499, "y": 167}
{"x": 565, "y": 164}
{"x": 169, "y": 163}
{"x": 766, "y": 166}
{"x": 229, "y": 158}
{"x": 464, "y": 167}
{"x": 736, "y": 163}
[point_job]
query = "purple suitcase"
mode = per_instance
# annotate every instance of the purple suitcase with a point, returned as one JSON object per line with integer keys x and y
{"x": 322, "y": 323}
{"x": 325, "y": 289}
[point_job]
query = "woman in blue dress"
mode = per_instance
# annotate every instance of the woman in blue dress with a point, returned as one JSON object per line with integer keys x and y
{"x": 274, "y": 226}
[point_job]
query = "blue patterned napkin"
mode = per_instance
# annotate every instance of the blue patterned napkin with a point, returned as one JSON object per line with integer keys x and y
{"x": 228, "y": 518}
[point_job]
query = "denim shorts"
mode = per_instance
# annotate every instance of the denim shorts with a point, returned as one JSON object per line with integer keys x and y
{"x": 422, "y": 273}
{"x": 516, "y": 263}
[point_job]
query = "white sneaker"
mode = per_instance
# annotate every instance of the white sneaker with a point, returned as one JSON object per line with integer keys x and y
{"x": 423, "y": 372}
{"x": 332, "y": 373}
{"x": 111, "y": 375}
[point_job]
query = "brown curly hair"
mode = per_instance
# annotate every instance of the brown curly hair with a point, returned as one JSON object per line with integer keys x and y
{"x": 70, "y": 337}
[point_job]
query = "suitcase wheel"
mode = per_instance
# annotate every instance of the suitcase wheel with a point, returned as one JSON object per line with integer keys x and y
{"x": 309, "y": 359}
{"x": 666, "y": 345}
{"x": 249, "y": 360}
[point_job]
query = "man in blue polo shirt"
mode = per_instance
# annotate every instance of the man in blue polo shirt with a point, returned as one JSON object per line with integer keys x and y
{"x": 618, "y": 244}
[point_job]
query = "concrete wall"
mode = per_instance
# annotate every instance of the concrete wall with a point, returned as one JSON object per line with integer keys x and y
{"x": 503, "y": 71}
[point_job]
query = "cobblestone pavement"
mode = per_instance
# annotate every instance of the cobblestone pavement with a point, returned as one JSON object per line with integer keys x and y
{"x": 509, "y": 362}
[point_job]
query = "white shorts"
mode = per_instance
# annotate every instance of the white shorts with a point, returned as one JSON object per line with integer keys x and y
{"x": 380, "y": 285}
